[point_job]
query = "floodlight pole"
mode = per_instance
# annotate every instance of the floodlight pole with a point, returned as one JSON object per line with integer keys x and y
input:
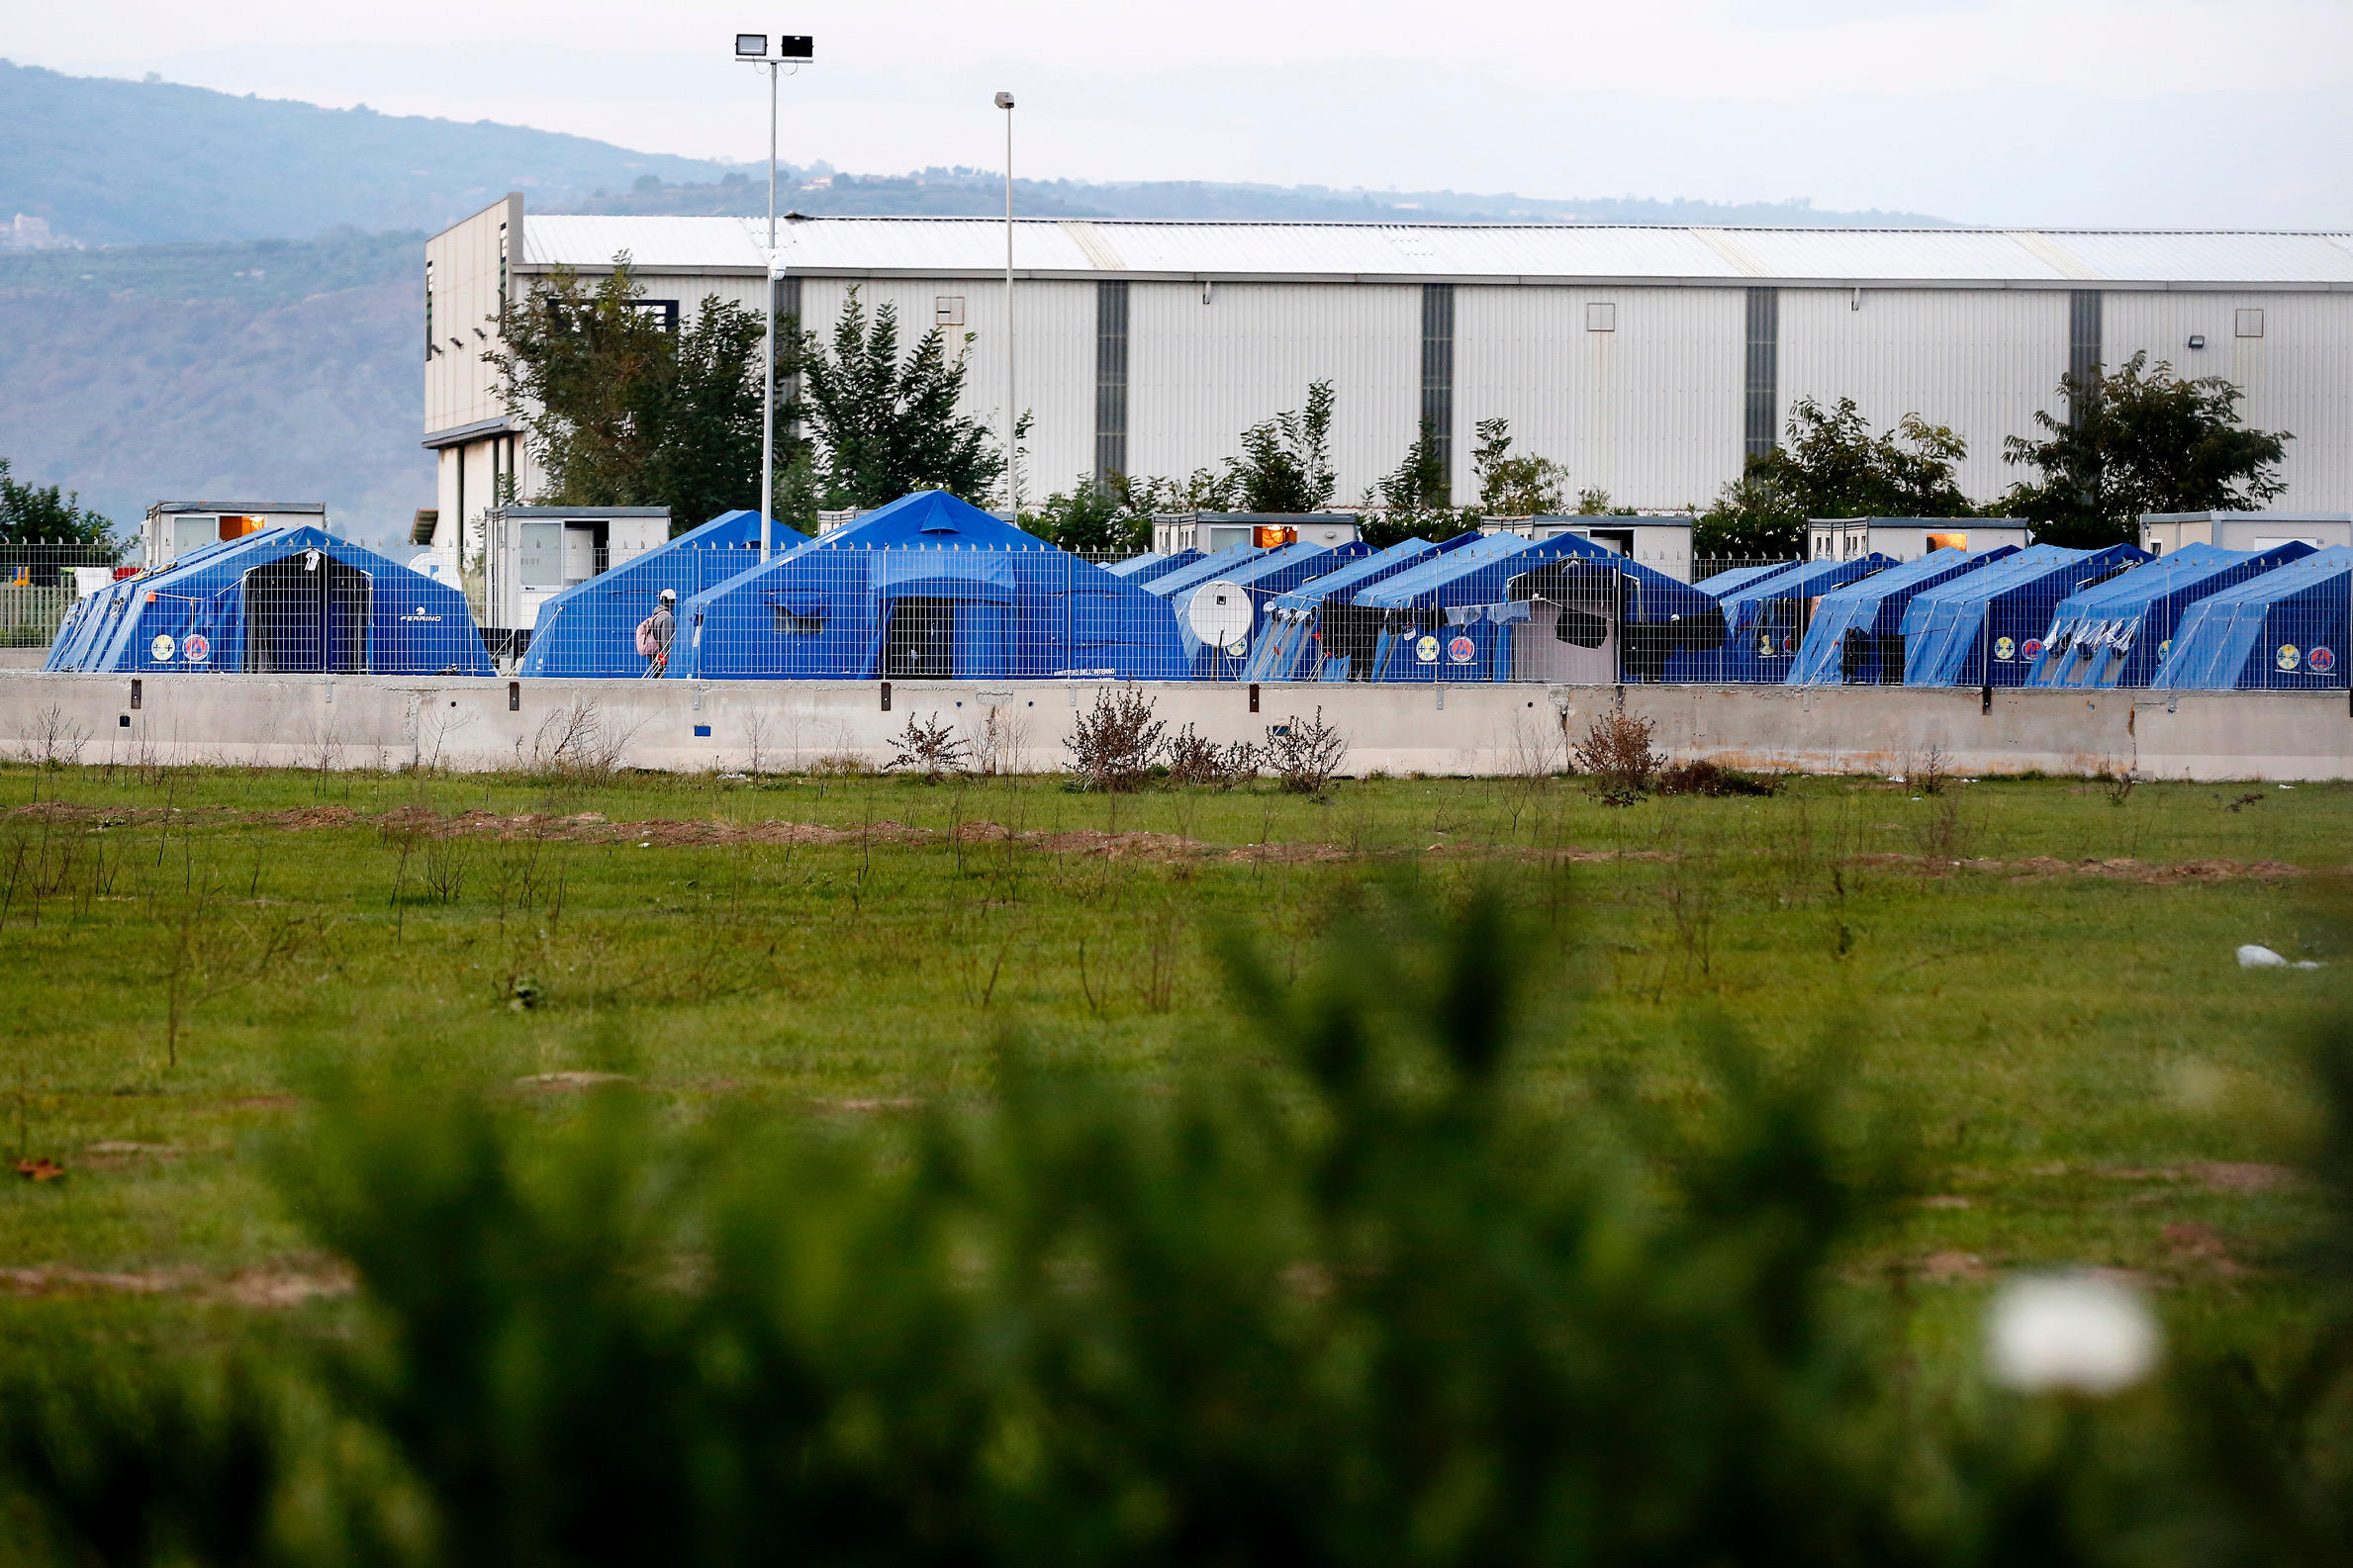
{"x": 1004, "y": 101}
{"x": 752, "y": 49}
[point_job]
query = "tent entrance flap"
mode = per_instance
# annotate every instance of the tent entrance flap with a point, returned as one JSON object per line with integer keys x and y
{"x": 306, "y": 614}
{"x": 919, "y": 643}
{"x": 1573, "y": 643}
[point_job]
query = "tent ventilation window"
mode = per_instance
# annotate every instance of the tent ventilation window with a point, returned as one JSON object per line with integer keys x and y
{"x": 789, "y": 624}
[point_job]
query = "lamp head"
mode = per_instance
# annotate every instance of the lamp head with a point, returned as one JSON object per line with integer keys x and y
{"x": 1004, "y": 100}
{"x": 751, "y": 45}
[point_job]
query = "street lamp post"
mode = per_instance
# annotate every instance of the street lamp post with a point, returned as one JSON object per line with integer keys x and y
{"x": 1004, "y": 101}
{"x": 794, "y": 51}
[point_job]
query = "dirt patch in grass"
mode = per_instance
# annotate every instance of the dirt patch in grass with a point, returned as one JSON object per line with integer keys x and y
{"x": 287, "y": 1284}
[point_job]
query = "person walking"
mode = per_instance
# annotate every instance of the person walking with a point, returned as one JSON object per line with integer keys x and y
{"x": 656, "y": 633}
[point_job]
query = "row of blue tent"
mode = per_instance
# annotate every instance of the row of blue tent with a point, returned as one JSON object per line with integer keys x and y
{"x": 930, "y": 586}
{"x": 2041, "y": 617}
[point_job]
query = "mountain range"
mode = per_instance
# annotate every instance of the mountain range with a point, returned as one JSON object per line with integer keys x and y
{"x": 212, "y": 296}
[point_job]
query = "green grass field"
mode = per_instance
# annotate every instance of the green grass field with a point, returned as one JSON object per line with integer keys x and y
{"x": 2037, "y": 977}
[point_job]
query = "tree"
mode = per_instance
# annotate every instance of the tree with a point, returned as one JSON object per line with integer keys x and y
{"x": 886, "y": 428}
{"x": 1418, "y": 482}
{"x": 2141, "y": 440}
{"x": 622, "y": 411}
{"x": 1286, "y": 464}
{"x": 1089, "y": 517}
{"x": 1834, "y": 465}
{"x": 31, "y": 515}
{"x": 1512, "y": 487}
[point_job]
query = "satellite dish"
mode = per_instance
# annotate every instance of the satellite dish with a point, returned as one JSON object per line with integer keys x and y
{"x": 1219, "y": 614}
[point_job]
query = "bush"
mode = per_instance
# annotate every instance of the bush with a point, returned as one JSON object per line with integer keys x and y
{"x": 931, "y": 749}
{"x": 1616, "y": 759}
{"x": 1306, "y": 757}
{"x": 1711, "y": 779}
{"x": 1194, "y": 759}
{"x": 1116, "y": 741}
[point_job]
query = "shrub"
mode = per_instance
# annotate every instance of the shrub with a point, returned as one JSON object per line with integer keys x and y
{"x": 1616, "y": 759}
{"x": 1194, "y": 759}
{"x": 931, "y": 748}
{"x": 1711, "y": 779}
{"x": 1305, "y": 756}
{"x": 1116, "y": 741}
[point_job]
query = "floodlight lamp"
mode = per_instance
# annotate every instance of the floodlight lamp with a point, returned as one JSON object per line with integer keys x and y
{"x": 796, "y": 46}
{"x": 751, "y": 45}
{"x": 1004, "y": 100}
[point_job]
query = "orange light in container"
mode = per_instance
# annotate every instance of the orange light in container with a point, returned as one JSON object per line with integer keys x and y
{"x": 1948, "y": 541}
{"x": 1268, "y": 535}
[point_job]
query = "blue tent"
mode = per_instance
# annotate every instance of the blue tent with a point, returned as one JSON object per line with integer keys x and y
{"x": 1562, "y": 608}
{"x": 1254, "y": 584}
{"x": 94, "y": 620}
{"x": 590, "y": 627}
{"x": 1855, "y": 635}
{"x": 290, "y": 601}
{"x": 1719, "y": 583}
{"x": 2118, "y": 632}
{"x": 1765, "y": 620}
{"x": 2282, "y": 631}
{"x": 1151, "y": 564}
{"x": 1202, "y": 569}
{"x": 1986, "y": 629}
{"x": 1315, "y": 632}
{"x": 929, "y": 587}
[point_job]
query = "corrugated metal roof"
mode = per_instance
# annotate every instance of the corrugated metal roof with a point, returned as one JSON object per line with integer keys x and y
{"x": 974, "y": 247}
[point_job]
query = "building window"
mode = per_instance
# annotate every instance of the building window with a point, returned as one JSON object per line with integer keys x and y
{"x": 1601, "y": 317}
{"x": 1761, "y": 421}
{"x": 2250, "y": 323}
{"x": 947, "y": 311}
{"x": 2083, "y": 346}
{"x": 429, "y": 309}
{"x": 1438, "y": 377}
{"x": 1110, "y": 380}
{"x": 663, "y": 311}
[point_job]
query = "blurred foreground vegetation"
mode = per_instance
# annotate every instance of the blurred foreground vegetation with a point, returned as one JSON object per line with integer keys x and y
{"x": 555, "y": 1171}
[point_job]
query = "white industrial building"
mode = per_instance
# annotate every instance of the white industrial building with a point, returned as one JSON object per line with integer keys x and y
{"x": 1646, "y": 361}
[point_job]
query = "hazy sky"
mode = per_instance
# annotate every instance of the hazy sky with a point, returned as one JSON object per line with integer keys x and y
{"x": 2171, "y": 113}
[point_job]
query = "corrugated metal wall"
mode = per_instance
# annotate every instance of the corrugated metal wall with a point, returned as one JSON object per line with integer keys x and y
{"x": 1199, "y": 373}
{"x": 2298, "y": 376}
{"x": 1981, "y": 361}
{"x": 1648, "y": 410}
{"x": 1055, "y": 368}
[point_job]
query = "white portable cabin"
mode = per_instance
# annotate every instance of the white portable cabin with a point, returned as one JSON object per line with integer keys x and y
{"x": 2163, "y": 532}
{"x": 1212, "y": 531}
{"x": 1661, "y": 543}
{"x": 531, "y": 554}
{"x": 1909, "y": 538}
{"x": 174, "y": 527}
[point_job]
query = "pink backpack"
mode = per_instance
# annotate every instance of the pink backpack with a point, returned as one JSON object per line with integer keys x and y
{"x": 646, "y": 646}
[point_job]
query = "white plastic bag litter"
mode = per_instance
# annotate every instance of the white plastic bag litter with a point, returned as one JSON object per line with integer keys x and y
{"x": 2254, "y": 956}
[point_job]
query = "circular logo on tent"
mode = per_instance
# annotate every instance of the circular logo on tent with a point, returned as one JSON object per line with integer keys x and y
{"x": 1239, "y": 646}
{"x": 2320, "y": 660}
{"x": 161, "y": 649}
{"x": 1426, "y": 650}
{"x": 2164, "y": 648}
{"x": 1461, "y": 650}
{"x": 2004, "y": 649}
{"x": 2288, "y": 657}
{"x": 198, "y": 647}
{"x": 2030, "y": 648}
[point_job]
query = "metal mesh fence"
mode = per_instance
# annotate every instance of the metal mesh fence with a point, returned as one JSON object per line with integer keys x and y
{"x": 1485, "y": 610}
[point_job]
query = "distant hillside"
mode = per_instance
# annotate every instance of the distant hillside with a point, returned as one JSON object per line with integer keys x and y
{"x": 269, "y": 370}
{"x": 961, "y": 192}
{"x": 117, "y": 163}
{"x": 96, "y": 161}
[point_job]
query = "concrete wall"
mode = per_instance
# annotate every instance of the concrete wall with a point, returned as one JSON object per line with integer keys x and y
{"x": 383, "y": 721}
